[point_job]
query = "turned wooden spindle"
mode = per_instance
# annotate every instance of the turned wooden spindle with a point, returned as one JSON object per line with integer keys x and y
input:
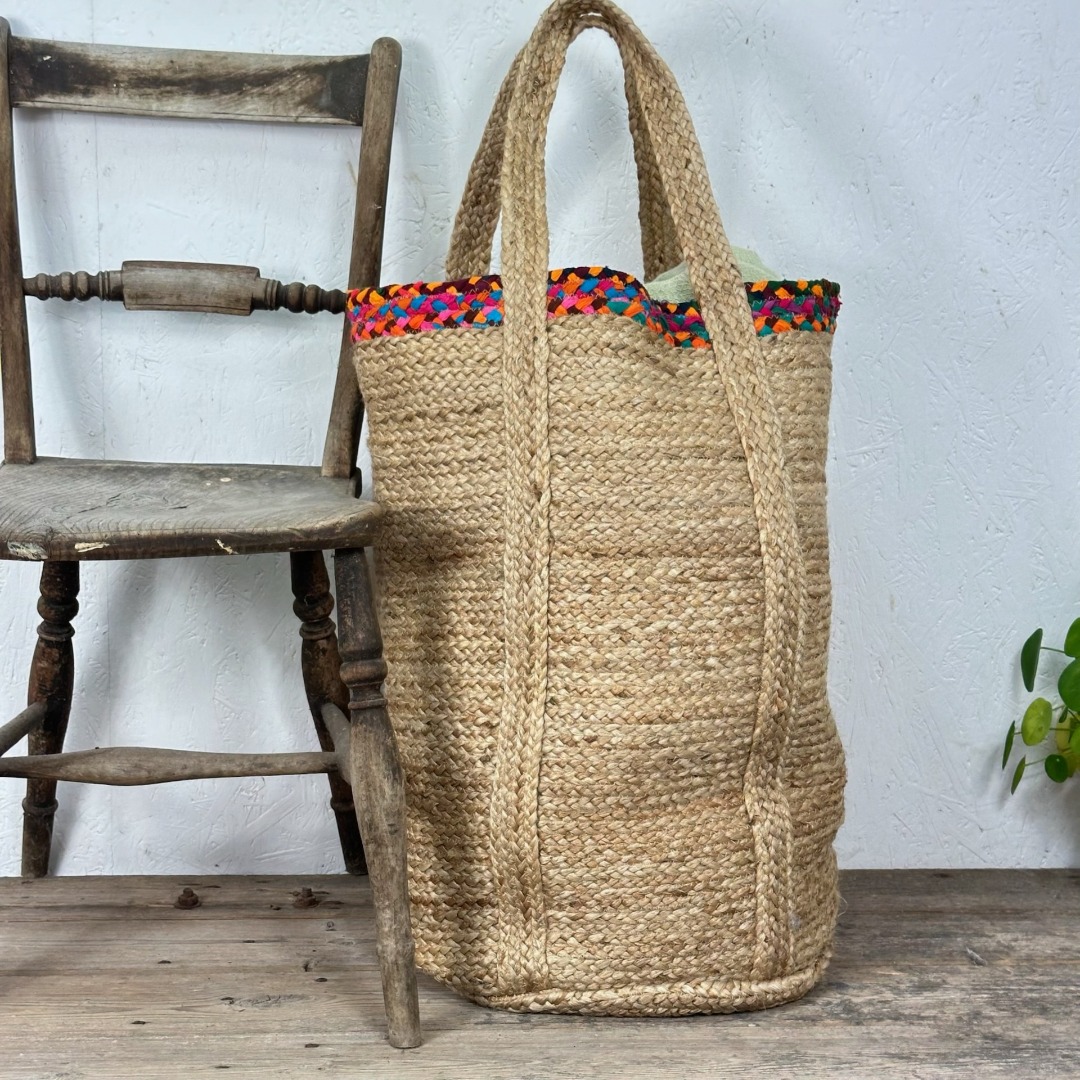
{"x": 52, "y": 678}
{"x": 380, "y": 793}
{"x": 178, "y": 286}
{"x": 321, "y": 666}
{"x": 298, "y": 297}
{"x": 104, "y": 285}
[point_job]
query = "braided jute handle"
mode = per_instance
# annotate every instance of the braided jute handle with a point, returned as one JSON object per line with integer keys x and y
{"x": 740, "y": 364}
{"x": 478, "y": 212}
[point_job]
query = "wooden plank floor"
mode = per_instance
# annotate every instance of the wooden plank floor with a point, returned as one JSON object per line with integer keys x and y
{"x": 936, "y": 974}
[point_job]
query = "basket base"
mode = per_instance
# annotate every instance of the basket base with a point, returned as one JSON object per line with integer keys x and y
{"x": 682, "y": 998}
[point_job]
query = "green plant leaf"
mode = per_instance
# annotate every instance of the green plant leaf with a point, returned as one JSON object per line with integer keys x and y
{"x": 1018, "y": 775}
{"x": 1069, "y": 685}
{"x": 1074, "y": 740}
{"x": 1009, "y": 745}
{"x": 1029, "y": 659}
{"x": 1057, "y": 768}
{"x": 1037, "y": 720}
{"x": 1073, "y": 761}
{"x": 1072, "y": 639}
{"x": 1063, "y": 728}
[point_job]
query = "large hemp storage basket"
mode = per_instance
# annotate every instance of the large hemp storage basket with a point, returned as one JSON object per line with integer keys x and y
{"x": 605, "y": 589}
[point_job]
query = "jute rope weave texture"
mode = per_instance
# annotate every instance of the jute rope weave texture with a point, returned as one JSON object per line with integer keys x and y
{"x": 606, "y": 605}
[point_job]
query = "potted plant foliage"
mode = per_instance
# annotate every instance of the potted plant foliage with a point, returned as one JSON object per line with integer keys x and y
{"x": 1054, "y": 726}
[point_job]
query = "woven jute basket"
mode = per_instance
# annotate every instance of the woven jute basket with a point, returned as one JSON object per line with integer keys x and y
{"x": 605, "y": 589}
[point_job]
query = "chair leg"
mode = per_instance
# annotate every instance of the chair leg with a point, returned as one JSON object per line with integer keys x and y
{"x": 380, "y": 793}
{"x": 322, "y": 681}
{"x": 52, "y": 678}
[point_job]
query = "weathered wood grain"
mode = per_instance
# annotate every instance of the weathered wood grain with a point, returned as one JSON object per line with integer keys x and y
{"x": 15, "y": 381}
{"x": 365, "y": 264}
{"x": 61, "y": 511}
{"x": 64, "y": 508}
{"x": 132, "y": 766}
{"x": 218, "y": 288}
{"x": 337, "y": 724}
{"x": 379, "y": 789}
{"x": 215, "y": 288}
{"x": 105, "y": 978}
{"x": 18, "y": 727}
{"x": 321, "y": 666}
{"x": 187, "y": 83}
{"x": 52, "y": 680}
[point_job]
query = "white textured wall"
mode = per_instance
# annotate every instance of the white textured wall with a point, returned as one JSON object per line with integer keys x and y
{"x": 924, "y": 155}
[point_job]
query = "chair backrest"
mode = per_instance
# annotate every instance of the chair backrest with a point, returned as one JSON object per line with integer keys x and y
{"x": 357, "y": 90}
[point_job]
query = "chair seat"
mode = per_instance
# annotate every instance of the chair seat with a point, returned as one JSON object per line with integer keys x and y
{"x": 68, "y": 508}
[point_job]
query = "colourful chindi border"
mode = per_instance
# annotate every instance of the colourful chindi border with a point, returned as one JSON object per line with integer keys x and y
{"x": 396, "y": 310}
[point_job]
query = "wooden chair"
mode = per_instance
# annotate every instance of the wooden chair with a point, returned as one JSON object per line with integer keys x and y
{"x": 61, "y": 511}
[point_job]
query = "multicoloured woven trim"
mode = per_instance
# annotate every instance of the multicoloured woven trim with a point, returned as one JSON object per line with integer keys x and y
{"x": 396, "y": 310}
{"x": 793, "y": 305}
